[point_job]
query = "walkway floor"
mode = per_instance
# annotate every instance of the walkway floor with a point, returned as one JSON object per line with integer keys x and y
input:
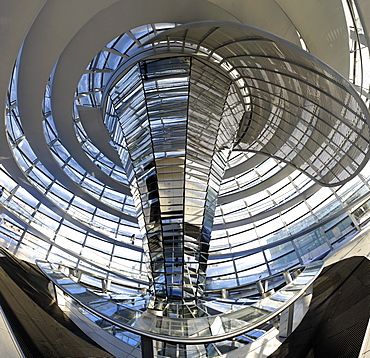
{"x": 337, "y": 323}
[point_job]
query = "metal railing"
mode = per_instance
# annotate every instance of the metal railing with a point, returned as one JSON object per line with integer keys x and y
{"x": 197, "y": 330}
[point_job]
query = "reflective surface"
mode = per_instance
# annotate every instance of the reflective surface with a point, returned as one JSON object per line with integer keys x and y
{"x": 179, "y": 119}
{"x": 303, "y": 112}
{"x": 210, "y": 328}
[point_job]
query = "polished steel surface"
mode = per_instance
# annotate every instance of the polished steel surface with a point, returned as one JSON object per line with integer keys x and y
{"x": 178, "y": 120}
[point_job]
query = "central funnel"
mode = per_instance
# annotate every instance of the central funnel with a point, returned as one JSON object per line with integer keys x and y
{"x": 177, "y": 119}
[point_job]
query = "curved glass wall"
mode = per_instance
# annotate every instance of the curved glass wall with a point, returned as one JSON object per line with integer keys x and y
{"x": 271, "y": 202}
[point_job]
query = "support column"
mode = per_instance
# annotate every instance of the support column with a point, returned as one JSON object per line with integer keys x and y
{"x": 147, "y": 350}
{"x": 178, "y": 128}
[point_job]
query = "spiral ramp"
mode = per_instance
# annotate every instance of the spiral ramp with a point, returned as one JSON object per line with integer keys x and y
{"x": 295, "y": 186}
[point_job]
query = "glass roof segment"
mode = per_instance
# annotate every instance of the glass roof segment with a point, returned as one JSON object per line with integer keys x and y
{"x": 45, "y": 182}
{"x": 58, "y": 231}
{"x": 359, "y": 49}
{"x": 89, "y": 94}
{"x": 252, "y": 177}
{"x": 98, "y": 72}
{"x": 86, "y": 180}
{"x": 287, "y": 86}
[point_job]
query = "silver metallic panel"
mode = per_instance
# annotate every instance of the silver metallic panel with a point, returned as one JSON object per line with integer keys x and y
{"x": 179, "y": 118}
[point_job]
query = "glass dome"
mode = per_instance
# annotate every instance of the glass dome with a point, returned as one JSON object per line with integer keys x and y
{"x": 294, "y": 186}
